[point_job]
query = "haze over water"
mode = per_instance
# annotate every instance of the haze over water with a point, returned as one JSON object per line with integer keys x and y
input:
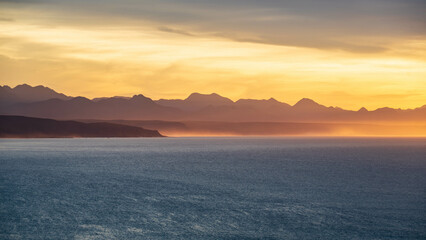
{"x": 213, "y": 188}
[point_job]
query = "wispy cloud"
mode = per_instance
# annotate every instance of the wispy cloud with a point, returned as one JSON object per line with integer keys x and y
{"x": 4, "y": 19}
{"x": 177, "y": 31}
{"x": 350, "y": 26}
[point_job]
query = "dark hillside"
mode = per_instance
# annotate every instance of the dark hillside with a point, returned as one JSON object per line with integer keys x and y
{"x": 26, "y": 127}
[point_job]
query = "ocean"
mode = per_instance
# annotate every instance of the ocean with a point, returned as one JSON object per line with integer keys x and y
{"x": 213, "y": 188}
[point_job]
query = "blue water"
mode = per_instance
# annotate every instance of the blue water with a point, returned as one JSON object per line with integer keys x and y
{"x": 213, "y": 188}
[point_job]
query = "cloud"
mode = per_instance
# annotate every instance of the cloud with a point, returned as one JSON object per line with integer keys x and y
{"x": 311, "y": 43}
{"x": 177, "y": 31}
{"x": 353, "y": 26}
{"x": 5, "y": 19}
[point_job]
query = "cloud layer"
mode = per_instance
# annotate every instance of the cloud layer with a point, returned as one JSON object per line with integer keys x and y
{"x": 327, "y": 24}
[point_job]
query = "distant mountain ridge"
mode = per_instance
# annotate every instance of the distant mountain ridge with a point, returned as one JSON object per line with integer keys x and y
{"x": 137, "y": 107}
{"x": 196, "y": 101}
{"x": 41, "y": 101}
{"x": 26, "y": 93}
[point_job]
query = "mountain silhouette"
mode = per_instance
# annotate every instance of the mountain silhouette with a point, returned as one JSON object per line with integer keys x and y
{"x": 44, "y": 102}
{"x": 137, "y": 107}
{"x": 26, "y": 93}
{"x": 196, "y": 101}
{"x": 262, "y": 104}
{"x": 104, "y": 98}
{"x": 363, "y": 110}
{"x": 306, "y": 104}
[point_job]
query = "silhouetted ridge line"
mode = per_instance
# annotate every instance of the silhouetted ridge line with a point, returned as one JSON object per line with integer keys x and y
{"x": 25, "y": 127}
{"x": 196, "y": 107}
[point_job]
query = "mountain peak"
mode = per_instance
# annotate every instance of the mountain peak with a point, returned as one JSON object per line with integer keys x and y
{"x": 22, "y": 86}
{"x": 26, "y": 87}
{"x": 306, "y": 102}
{"x": 27, "y": 93}
{"x": 80, "y": 99}
{"x": 5, "y": 87}
{"x": 363, "y": 109}
{"x": 99, "y": 99}
{"x": 212, "y": 98}
{"x": 273, "y": 100}
{"x": 201, "y": 95}
{"x": 140, "y": 97}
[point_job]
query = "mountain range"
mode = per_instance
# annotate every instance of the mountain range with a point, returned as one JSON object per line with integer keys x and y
{"x": 40, "y": 101}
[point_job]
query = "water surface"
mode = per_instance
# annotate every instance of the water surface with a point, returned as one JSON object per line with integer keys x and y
{"x": 213, "y": 188}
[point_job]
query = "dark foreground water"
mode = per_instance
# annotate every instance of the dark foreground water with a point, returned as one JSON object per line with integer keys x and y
{"x": 213, "y": 188}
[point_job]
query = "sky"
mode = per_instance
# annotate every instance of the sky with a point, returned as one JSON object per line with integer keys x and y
{"x": 351, "y": 54}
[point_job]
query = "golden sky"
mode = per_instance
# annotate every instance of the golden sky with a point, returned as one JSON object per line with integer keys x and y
{"x": 370, "y": 54}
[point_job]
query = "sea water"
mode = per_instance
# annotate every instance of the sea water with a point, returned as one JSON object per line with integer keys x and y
{"x": 213, "y": 188}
